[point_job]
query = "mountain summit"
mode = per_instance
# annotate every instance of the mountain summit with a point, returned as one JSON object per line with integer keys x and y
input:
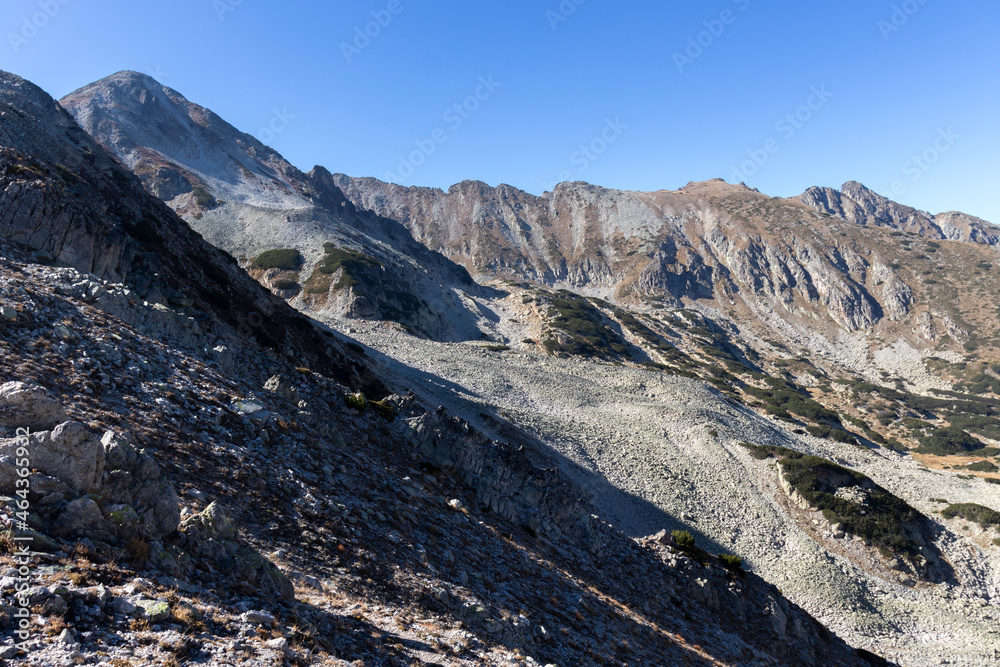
{"x": 244, "y": 197}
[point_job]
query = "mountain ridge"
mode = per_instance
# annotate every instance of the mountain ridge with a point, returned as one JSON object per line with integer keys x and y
{"x": 823, "y": 327}
{"x": 342, "y": 491}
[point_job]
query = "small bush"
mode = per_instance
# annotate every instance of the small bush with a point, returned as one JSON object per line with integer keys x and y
{"x": 384, "y": 410}
{"x": 948, "y": 441}
{"x": 683, "y": 539}
{"x": 138, "y": 549}
{"x": 285, "y": 284}
{"x": 203, "y": 197}
{"x": 286, "y": 259}
{"x": 356, "y": 401}
{"x": 984, "y": 516}
{"x": 730, "y": 562}
{"x": 982, "y": 466}
{"x": 496, "y": 348}
{"x": 351, "y": 262}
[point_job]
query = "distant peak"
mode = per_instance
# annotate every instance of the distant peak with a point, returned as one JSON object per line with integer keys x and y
{"x": 853, "y": 188}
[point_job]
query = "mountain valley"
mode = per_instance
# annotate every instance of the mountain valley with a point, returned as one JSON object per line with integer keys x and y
{"x": 362, "y": 423}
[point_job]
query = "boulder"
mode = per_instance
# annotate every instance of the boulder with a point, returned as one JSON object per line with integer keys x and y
{"x": 29, "y": 406}
{"x": 81, "y": 518}
{"x": 68, "y": 452}
{"x": 279, "y": 384}
{"x": 211, "y": 535}
{"x": 153, "y": 611}
{"x": 134, "y": 479}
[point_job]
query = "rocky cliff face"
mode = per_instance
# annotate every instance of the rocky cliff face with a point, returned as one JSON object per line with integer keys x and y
{"x": 245, "y": 198}
{"x": 706, "y": 241}
{"x": 862, "y": 206}
{"x": 822, "y": 264}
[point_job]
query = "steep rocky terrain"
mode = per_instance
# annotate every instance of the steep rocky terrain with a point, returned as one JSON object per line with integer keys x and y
{"x": 210, "y": 486}
{"x": 846, "y": 271}
{"x": 245, "y": 198}
{"x": 858, "y": 204}
{"x": 790, "y": 379}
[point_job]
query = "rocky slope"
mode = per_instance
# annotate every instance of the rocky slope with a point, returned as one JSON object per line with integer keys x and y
{"x": 663, "y": 451}
{"x": 245, "y": 198}
{"x": 858, "y": 204}
{"x": 818, "y": 311}
{"x": 164, "y": 468}
{"x": 847, "y": 274}
{"x": 846, "y": 269}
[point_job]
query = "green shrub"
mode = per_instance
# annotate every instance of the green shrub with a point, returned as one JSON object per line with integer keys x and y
{"x": 203, "y": 198}
{"x": 817, "y": 480}
{"x": 683, "y": 539}
{"x": 352, "y": 264}
{"x": 585, "y": 328}
{"x": 948, "y": 441}
{"x": 984, "y": 516}
{"x": 730, "y": 562}
{"x": 386, "y": 411}
{"x": 285, "y": 284}
{"x": 982, "y": 466}
{"x": 356, "y": 401}
{"x": 496, "y": 348}
{"x": 286, "y": 259}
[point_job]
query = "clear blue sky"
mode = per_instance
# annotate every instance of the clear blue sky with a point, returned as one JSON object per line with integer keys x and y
{"x": 895, "y": 92}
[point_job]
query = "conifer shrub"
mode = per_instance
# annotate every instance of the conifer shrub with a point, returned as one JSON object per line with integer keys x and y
{"x": 286, "y": 259}
{"x": 730, "y": 562}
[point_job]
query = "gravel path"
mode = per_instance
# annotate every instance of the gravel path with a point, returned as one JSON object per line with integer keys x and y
{"x": 668, "y": 447}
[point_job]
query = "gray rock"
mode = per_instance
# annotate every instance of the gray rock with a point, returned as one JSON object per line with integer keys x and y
{"x": 279, "y": 644}
{"x": 55, "y": 606}
{"x": 35, "y": 594}
{"x": 212, "y": 523}
{"x": 153, "y": 611}
{"x": 81, "y": 518}
{"x": 279, "y": 384}
{"x": 69, "y": 452}
{"x": 211, "y": 535}
{"x": 134, "y": 479}
{"x": 258, "y": 618}
{"x": 29, "y": 406}
{"x": 121, "y": 606}
{"x": 119, "y": 452}
{"x": 66, "y": 638}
